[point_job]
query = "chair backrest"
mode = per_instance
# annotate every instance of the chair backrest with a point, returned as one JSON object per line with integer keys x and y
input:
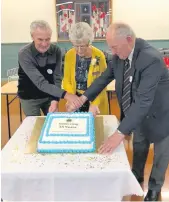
{"x": 12, "y": 74}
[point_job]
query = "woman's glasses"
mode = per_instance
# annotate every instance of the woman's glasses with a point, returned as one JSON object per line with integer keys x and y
{"x": 82, "y": 47}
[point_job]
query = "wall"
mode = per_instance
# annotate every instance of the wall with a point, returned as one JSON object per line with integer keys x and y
{"x": 149, "y": 20}
{"x": 9, "y": 52}
{"x": 18, "y": 14}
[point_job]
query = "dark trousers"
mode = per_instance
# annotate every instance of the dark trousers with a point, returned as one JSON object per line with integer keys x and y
{"x": 160, "y": 162}
{"x": 33, "y": 107}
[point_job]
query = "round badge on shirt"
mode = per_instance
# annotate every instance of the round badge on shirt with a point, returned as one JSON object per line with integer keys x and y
{"x": 49, "y": 71}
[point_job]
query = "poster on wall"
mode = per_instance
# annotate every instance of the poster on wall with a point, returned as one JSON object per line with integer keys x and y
{"x": 97, "y": 13}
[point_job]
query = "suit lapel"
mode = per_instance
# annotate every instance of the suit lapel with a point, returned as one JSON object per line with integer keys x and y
{"x": 119, "y": 80}
{"x": 134, "y": 58}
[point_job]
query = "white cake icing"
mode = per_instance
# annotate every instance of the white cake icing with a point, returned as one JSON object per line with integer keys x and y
{"x": 60, "y": 125}
{"x": 67, "y": 132}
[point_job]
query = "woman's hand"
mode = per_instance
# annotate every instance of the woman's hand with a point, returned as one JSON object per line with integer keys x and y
{"x": 94, "y": 109}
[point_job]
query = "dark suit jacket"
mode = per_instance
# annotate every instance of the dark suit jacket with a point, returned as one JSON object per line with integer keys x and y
{"x": 149, "y": 110}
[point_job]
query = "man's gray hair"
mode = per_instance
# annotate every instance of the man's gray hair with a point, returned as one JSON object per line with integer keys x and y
{"x": 80, "y": 32}
{"x": 121, "y": 29}
{"x": 39, "y": 24}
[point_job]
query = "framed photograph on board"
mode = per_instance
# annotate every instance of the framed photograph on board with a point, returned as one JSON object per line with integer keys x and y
{"x": 97, "y": 13}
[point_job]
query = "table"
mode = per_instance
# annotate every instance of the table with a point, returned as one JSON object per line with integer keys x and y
{"x": 65, "y": 177}
{"x": 10, "y": 88}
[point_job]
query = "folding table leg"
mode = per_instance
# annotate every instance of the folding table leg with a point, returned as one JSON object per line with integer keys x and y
{"x": 109, "y": 99}
{"x": 20, "y": 110}
{"x": 8, "y": 117}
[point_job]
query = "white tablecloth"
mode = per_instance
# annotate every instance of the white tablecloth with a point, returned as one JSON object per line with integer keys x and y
{"x": 65, "y": 177}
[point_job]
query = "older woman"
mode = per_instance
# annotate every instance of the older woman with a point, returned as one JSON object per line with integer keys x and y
{"x": 83, "y": 64}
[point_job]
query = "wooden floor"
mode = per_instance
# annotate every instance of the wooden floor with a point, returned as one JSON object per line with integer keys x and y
{"x": 15, "y": 122}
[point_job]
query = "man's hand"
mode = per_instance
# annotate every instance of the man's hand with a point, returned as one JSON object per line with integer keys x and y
{"x": 74, "y": 102}
{"x": 94, "y": 109}
{"x": 53, "y": 106}
{"x": 111, "y": 143}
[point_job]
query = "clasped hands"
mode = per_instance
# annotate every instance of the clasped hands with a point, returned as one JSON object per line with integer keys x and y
{"x": 74, "y": 102}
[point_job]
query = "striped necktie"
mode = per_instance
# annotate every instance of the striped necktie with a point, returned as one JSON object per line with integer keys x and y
{"x": 126, "y": 93}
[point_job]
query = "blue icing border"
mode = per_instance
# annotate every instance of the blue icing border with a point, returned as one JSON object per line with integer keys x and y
{"x": 92, "y": 135}
{"x": 66, "y": 150}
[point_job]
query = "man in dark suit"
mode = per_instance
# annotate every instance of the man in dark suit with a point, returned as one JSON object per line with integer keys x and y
{"x": 142, "y": 88}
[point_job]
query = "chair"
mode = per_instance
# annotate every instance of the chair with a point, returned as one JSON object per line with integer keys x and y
{"x": 12, "y": 74}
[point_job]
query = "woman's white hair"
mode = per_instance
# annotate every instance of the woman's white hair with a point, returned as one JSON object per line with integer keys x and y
{"x": 80, "y": 32}
{"x": 39, "y": 24}
{"x": 121, "y": 30}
